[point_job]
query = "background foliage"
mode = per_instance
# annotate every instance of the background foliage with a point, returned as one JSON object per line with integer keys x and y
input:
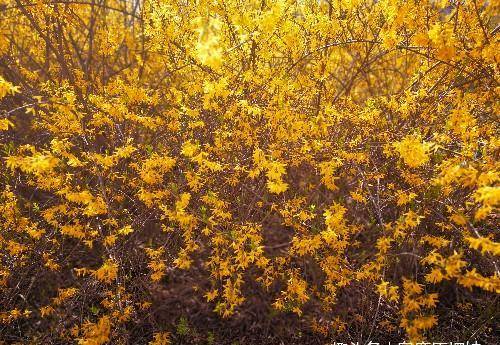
{"x": 211, "y": 171}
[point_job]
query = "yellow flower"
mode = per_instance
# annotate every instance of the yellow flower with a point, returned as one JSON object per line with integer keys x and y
{"x": 162, "y": 338}
{"x": 413, "y": 151}
{"x": 189, "y": 149}
{"x": 4, "y": 124}
{"x": 107, "y": 272}
{"x": 277, "y": 186}
{"x": 96, "y": 334}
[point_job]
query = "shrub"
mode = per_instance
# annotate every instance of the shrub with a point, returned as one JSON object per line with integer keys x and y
{"x": 336, "y": 160}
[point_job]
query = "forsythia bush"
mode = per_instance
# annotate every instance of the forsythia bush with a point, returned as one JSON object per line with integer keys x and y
{"x": 334, "y": 162}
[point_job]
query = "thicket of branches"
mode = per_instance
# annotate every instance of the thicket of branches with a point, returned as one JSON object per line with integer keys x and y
{"x": 252, "y": 171}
